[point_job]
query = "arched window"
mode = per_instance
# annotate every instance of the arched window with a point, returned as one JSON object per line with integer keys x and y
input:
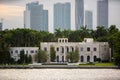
{"x": 72, "y": 49}
{"x": 82, "y": 58}
{"x": 57, "y": 58}
{"x": 62, "y": 58}
{"x": 67, "y": 49}
{"x": 62, "y": 49}
{"x": 95, "y": 58}
{"x": 63, "y": 41}
{"x": 88, "y": 58}
{"x": 57, "y": 49}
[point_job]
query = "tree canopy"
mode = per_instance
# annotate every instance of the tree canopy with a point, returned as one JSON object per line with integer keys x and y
{"x": 31, "y": 38}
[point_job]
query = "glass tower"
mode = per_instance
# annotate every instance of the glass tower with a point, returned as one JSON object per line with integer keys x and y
{"x": 102, "y": 13}
{"x": 79, "y": 13}
{"x": 62, "y": 16}
{"x": 36, "y": 17}
{"x": 0, "y": 26}
{"x": 89, "y": 19}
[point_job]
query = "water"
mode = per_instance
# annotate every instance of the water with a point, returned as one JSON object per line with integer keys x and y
{"x": 59, "y": 74}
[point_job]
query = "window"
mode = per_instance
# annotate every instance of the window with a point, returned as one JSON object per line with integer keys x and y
{"x": 95, "y": 58}
{"x": 88, "y": 48}
{"x": 82, "y": 59}
{"x": 62, "y": 58}
{"x": 45, "y": 49}
{"x": 36, "y": 51}
{"x": 67, "y": 49}
{"x": 65, "y": 40}
{"x": 88, "y": 58}
{"x": 31, "y": 51}
{"x": 11, "y": 52}
{"x": 95, "y": 49}
{"x": 57, "y": 58}
{"x": 57, "y": 48}
{"x": 26, "y": 52}
{"x": 72, "y": 49}
{"x": 59, "y": 40}
{"x": 16, "y": 51}
{"x": 62, "y": 40}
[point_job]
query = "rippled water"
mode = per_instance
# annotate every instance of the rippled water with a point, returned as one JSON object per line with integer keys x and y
{"x": 59, "y": 74}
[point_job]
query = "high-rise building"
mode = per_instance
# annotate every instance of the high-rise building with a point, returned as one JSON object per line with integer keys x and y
{"x": 62, "y": 16}
{"x": 35, "y": 17}
{"x": 102, "y": 13}
{"x": 27, "y": 19}
{"x": 0, "y": 26}
{"x": 79, "y": 13}
{"x": 89, "y": 19}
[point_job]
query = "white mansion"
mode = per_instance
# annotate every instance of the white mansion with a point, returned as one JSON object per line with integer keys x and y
{"x": 89, "y": 50}
{"x": 15, "y": 52}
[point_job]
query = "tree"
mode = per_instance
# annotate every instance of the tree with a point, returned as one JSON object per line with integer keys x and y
{"x": 84, "y": 32}
{"x": 66, "y": 33}
{"x": 112, "y": 29}
{"x": 75, "y": 36}
{"x": 30, "y": 59}
{"x": 41, "y": 56}
{"x": 4, "y": 50}
{"x": 26, "y": 58}
{"x": 49, "y": 37}
{"x": 22, "y": 57}
{"x": 115, "y": 40}
{"x": 100, "y": 32}
{"x": 52, "y": 54}
{"x": 73, "y": 57}
{"x": 70, "y": 57}
{"x": 58, "y": 34}
{"x": 76, "y": 55}
{"x": 31, "y": 38}
{"x": 117, "y": 58}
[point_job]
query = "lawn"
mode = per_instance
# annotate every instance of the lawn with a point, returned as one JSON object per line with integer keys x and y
{"x": 98, "y": 64}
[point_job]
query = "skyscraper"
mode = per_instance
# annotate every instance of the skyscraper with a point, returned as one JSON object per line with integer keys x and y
{"x": 62, "y": 16}
{"x": 0, "y": 26}
{"x": 102, "y": 13}
{"x": 79, "y": 13}
{"x": 89, "y": 19}
{"x": 35, "y": 17}
{"x": 27, "y": 19}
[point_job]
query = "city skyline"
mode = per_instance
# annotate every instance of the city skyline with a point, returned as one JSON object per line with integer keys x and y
{"x": 12, "y": 12}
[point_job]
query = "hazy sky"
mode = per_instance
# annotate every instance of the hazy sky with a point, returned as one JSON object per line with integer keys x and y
{"x": 12, "y": 11}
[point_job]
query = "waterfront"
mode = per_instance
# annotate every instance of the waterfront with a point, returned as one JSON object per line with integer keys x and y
{"x": 59, "y": 74}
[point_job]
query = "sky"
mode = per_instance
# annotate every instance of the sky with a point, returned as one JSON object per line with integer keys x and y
{"x": 11, "y": 11}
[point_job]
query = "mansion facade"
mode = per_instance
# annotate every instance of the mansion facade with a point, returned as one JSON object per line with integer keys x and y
{"x": 15, "y": 52}
{"x": 89, "y": 50}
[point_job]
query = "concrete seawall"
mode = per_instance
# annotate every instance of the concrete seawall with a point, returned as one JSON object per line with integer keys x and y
{"x": 58, "y": 67}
